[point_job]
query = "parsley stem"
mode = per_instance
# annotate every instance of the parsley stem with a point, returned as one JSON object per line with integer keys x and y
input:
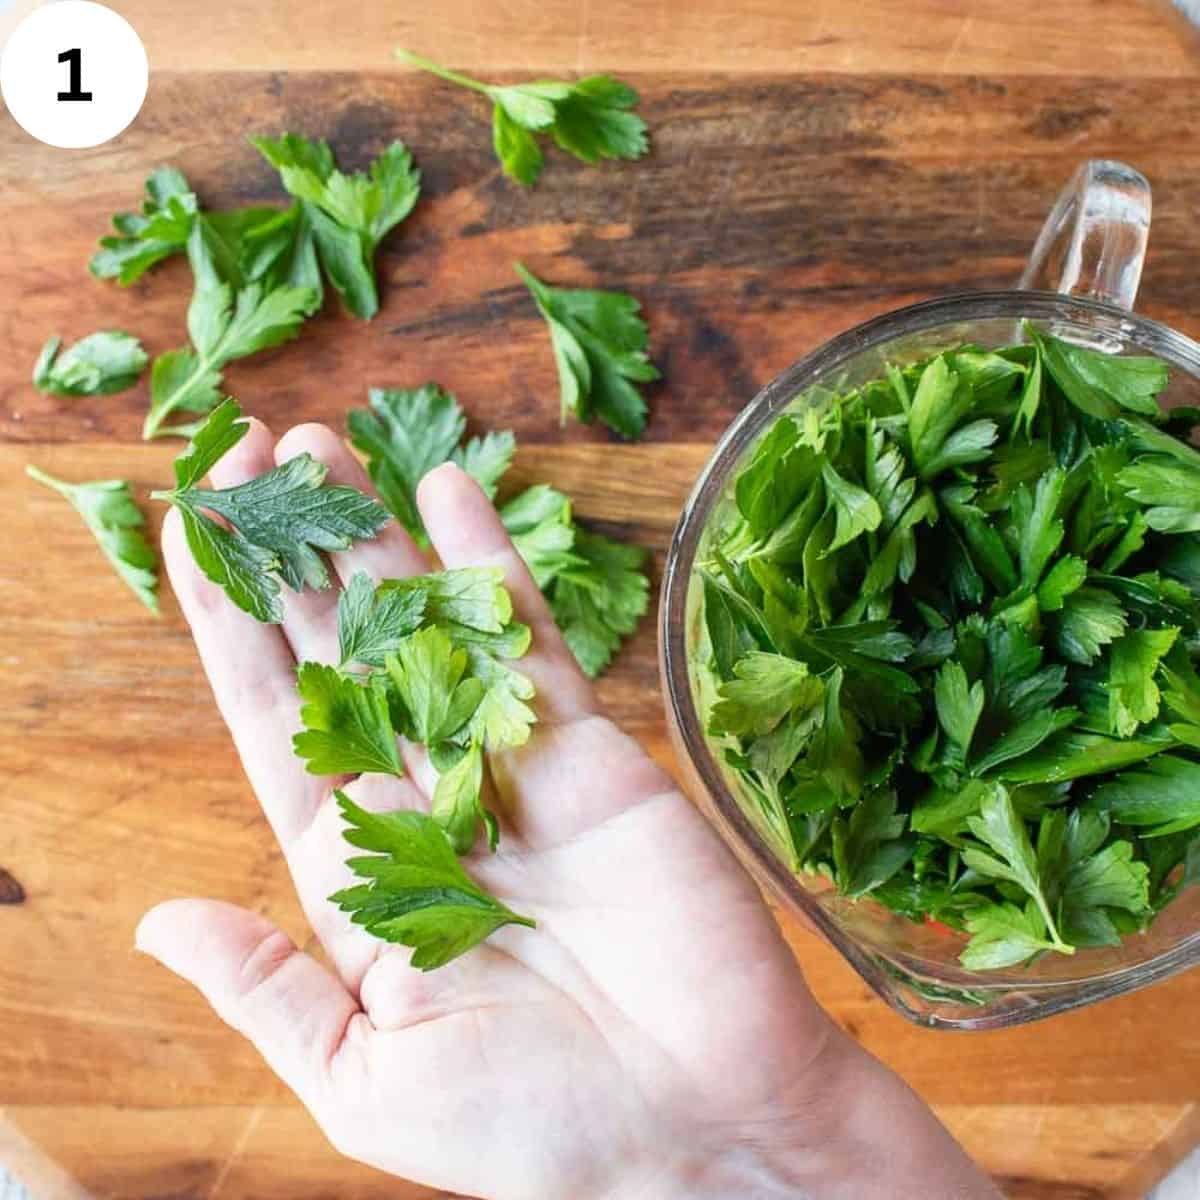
{"x": 425, "y": 64}
{"x": 152, "y": 426}
{"x": 57, "y": 484}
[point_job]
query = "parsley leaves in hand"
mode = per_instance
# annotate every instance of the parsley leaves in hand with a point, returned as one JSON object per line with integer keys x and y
{"x": 599, "y": 341}
{"x": 596, "y": 587}
{"x": 109, "y": 510}
{"x": 962, "y": 601}
{"x": 592, "y": 119}
{"x": 417, "y": 894}
{"x": 277, "y": 524}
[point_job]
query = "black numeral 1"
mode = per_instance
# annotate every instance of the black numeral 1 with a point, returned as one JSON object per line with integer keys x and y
{"x": 76, "y": 92}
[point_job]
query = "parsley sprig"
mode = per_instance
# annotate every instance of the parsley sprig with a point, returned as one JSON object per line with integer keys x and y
{"x": 276, "y": 525}
{"x": 950, "y": 622}
{"x": 591, "y": 119}
{"x": 117, "y": 523}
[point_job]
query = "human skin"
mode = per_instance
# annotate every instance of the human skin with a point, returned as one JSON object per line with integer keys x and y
{"x": 653, "y": 1038}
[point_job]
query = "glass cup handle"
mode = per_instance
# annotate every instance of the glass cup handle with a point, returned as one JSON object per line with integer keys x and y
{"x": 1093, "y": 243}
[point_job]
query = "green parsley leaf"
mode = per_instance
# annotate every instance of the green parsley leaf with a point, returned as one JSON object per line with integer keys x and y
{"x": 1132, "y": 693}
{"x": 417, "y": 895}
{"x": 427, "y": 679}
{"x": 1003, "y": 935}
{"x": 1164, "y": 794}
{"x": 869, "y": 845}
{"x": 1169, "y": 489}
{"x": 280, "y": 520}
{"x": 999, "y": 828}
{"x": 409, "y": 431}
{"x": 347, "y": 729}
{"x": 1101, "y": 384}
{"x": 599, "y": 598}
{"x": 372, "y": 624}
{"x": 591, "y": 119}
{"x": 959, "y": 708}
{"x": 97, "y": 365}
{"x": 765, "y": 689}
{"x": 349, "y": 215}
{"x": 224, "y": 325}
{"x": 116, "y": 522}
{"x": 472, "y": 597}
{"x": 1091, "y": 619}
{"x": 456, "y": 804}
{"x": 160, "y": 230}
{"x": 599, "y": 341}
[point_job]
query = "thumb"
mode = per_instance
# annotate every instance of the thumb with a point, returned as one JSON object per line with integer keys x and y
{"x": 295, "y": 1012}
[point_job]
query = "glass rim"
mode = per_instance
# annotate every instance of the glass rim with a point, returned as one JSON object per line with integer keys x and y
{"x": 758, "y": 413}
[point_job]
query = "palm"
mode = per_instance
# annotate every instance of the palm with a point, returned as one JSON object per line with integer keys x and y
{"x": 545, "y": 1059}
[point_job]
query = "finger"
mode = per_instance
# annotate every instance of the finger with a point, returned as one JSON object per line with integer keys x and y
{"x": 467, "y": 532}
{"x": 300, "y": 1018}
{"x": 253, "y": 677}
{"x": 392, "y": 553}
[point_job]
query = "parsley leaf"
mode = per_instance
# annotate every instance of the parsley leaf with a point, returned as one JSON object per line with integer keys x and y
{"x": 160, "y": 230}
{"x": 417, "y": 895}
{"x": 97, "y": 365}
{"x": 349, "y": 215}
{"x": 591, "y": 119}
{"x": 1003, "y": 935}
{"x": 1133, "y": 695}
{"x": 427, "y": 679}
{"x": 1101, "y": 384}
{"x": 409, "y": 431}
{"x": 1003, "y": 832}
{"x": 347, "y": 729}
{"x": 1164, "y": 794}
{"x": 456, "y": 804}
{"x": 372, "y": 624}
{"x": 280, "y": 520}
{"x": 600, "y": 599}
{"x": 109, "y": 510}
{"x": 599, "y": 341}
{"x": 765, "y": 689}
{"x": 224, "y": 325}
{"x": 1168, "y": 488}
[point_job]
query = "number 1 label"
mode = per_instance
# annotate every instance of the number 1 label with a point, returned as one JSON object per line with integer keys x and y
{"x": 75, "y": 92}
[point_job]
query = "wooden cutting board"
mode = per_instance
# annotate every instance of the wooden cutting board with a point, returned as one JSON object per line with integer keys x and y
{"x": 813, "y": 165}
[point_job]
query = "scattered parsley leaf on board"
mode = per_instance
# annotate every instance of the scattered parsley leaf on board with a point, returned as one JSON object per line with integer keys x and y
{"x": 280, "y": 521}
{"x": 109, "y": 510}
{"x": 599, "y": 341}
{"x": 348, "y": 215}
{"x": 100, "y": 364}
{"x": 347, "y": 730}
{"x": 142, "y": 239}
{"x": 592, "y": 119}
{"x": 417, "y": 893}
{"x": 407, "y": 432}
{"x": 224, "y": 324}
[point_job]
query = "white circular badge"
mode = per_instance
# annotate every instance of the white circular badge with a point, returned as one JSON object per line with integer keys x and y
{"x": 74, "y": 74}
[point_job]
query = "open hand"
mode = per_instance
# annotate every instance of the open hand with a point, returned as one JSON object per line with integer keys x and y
{"x": 653, "y": 1037}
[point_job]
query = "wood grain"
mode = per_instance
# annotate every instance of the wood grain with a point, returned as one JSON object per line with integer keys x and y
{"x": 1120, "y": 37}
{"x": 771, "y": 215}
{"x": 775, "y": 211}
